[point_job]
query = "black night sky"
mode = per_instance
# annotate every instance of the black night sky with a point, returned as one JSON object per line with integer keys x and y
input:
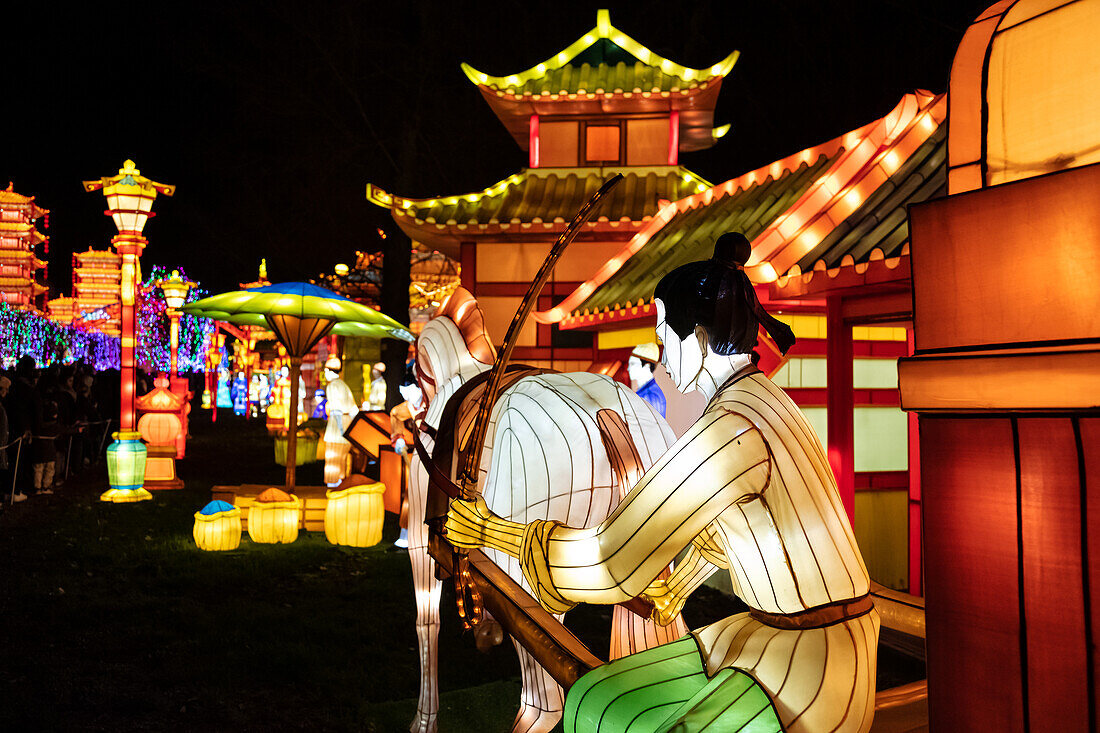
{"x": 272, "y": 117}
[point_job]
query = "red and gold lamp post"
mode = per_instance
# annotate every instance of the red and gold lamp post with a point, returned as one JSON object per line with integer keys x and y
{"x": 130, "y": 197}
{"x": 175, "y": 290}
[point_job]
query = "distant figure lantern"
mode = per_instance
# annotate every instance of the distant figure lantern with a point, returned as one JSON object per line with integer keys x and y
{"x": 130, "y": 197}
{"x": 274, "y": 517}
{"x": 218, "y": 527}
{"x": 213, "y": 362}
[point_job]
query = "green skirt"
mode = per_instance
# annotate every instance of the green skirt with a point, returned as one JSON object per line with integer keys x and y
{"x": 666, "y": 689}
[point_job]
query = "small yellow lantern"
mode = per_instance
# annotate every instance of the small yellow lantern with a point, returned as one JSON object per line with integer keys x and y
{"x": 218, "y": 526}
{"x": 353, "y": 516}
{"x": 274, "y": 517}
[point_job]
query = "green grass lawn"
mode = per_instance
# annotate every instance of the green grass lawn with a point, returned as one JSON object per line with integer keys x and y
{"x": 113, "y": 620}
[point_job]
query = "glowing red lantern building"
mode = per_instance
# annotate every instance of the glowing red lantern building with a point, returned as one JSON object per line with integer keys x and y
{"x": 19, "y": 265}
{"x": 1005, "y": 378}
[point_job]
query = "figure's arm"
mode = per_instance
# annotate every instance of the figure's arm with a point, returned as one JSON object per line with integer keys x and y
{"x": 720, "y": 459}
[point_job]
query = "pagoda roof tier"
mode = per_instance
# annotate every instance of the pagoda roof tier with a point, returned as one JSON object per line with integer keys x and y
{"x": 98, "y": 254}
{"x": 540, "y": 201}
{"x": 839, "y": 203}
{"x": 19, "y": 284}
{"x": 21, "y": 254}
{"x": 607, "y": 71}
{"x": 10, "y": 199}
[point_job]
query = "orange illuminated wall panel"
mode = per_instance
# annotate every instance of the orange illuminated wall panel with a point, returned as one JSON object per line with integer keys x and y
{"x": 647, "y": 141}
{"x": 558, "y": 143}
{"x": 1013, "y": 263}
{"x": 601, "y": 143}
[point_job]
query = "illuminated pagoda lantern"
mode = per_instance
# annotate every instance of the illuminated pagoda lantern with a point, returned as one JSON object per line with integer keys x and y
{"x": 604, "y": 105}
{"x": 19, "y": 264}
{"x": 62, "y": 309}
{"x": 97, "y": 275}
{"x": 163, "y": 415}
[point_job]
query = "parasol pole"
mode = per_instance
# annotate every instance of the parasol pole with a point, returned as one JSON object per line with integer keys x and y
{"x": 292, "y": 430}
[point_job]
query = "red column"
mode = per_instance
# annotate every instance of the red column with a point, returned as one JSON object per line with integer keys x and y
{"x": 915, "y": 556}
{"x": 129, "y": 247}
{"x": 839, "y": 403}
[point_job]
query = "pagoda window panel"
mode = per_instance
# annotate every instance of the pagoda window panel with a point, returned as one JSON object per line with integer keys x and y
{"x": 498, "y": 312}
{"x": 647, "y": 141}
{"x": 602, "y": 143}
{"x": 558, "y": 143}
{"x": 10, "y": 215}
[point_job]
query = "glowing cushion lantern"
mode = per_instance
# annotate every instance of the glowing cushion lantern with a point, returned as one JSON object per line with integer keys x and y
{"x": 218, "y": 526}
{"x": 274, "y": 516}
{"x": 353, "y": 516}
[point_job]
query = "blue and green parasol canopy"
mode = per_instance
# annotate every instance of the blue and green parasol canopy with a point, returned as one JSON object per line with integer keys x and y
{"x": 299, "y": 314}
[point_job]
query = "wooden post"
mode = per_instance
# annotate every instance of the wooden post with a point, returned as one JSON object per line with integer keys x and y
{"x": 292, "y": 428}
{"x": 839, "y": 404}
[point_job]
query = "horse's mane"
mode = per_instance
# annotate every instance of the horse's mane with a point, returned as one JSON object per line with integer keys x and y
{"x": 462, "y": 309}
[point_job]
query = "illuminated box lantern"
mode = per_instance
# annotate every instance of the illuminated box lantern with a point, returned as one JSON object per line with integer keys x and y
{"x": 353, "y": 516}
{"x": 274, "y": 517}
{"x": 161, "y": 426}
{"x": 218, "y": 526}
{"x": 308, "y": 449}
{"x": 126, "y": 468}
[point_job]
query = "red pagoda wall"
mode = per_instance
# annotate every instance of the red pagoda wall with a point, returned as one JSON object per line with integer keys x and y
{"x": 1006, "y": 382}
{"x": 1010, "y": 592}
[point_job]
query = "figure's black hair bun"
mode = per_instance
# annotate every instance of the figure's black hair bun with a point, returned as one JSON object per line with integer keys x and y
{"x": 732, "y": 250}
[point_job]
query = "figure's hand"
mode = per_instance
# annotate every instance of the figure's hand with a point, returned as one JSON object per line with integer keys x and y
{"x": 467, "y": 522}
{"x": 666, "y": 604}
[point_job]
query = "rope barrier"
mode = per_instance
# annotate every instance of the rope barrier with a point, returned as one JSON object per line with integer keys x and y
{"x": 18, "y": 442}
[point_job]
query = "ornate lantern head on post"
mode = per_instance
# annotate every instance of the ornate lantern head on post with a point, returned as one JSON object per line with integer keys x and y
{"x": 130, "y": 197}
{"x": 175, "y": 290}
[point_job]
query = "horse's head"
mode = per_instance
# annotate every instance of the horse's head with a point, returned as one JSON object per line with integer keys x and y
{"x": 453, "y": 343}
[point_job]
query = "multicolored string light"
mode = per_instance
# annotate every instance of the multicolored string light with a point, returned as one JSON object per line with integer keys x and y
{"x": 154, "y": 350}
{"x": 26, "y": 333}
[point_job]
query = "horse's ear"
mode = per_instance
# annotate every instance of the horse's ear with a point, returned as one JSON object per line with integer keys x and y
{"x": 462, "y": 308}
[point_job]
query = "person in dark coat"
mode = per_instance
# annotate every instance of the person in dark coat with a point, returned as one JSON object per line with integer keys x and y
{"x": 24, "y": 407}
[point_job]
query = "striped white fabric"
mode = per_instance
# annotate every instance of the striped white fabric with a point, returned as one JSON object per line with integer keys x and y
{"x": 543, "y": 459}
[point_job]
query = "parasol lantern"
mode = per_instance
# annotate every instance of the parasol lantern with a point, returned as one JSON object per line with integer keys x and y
{"x": 300, "y": 314}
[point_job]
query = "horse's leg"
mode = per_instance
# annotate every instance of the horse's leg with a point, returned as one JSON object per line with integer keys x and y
{"x": 427, "y": 589}
{"x": 630, "y": 633}
{"x": 541, "y": 701}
